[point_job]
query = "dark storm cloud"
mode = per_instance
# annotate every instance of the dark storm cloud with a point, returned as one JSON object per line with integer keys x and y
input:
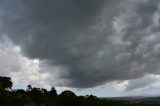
{"x": 96, "y": 40}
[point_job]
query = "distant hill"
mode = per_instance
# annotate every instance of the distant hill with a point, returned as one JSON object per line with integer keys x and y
{"x": 137, "y": 99}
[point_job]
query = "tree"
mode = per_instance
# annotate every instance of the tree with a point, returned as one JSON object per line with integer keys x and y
{"x": 68, "y": 93}
{"x": 67, "y": 98}
{"x": 37, "y": 96}
{"x": 44, "y": 91}
{"x": 5, "y": 83}
{"x": 53, "y": 91}
{"x": 29, "y": 88}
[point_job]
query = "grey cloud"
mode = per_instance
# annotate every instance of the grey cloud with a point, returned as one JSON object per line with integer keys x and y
{"x": 96, "y": 40}
{"x": 15, "y": 65}
{"x": 140, "y": 83}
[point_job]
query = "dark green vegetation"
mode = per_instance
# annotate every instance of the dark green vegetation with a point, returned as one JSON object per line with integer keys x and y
{"x": 33, "y": 96}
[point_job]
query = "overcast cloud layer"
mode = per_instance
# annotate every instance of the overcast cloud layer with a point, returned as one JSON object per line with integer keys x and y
{"x": 91, "y": 41}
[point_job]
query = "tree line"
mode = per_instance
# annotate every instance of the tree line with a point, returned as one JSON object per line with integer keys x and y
{"x": 33, "y": 96}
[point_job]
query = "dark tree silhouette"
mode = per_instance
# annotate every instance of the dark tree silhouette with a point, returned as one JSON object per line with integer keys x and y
{"x": 29, "y": 88}
{"x": 67, "y": 98}
{"x": 41, "y": 97}
{"x": 53, "y": 91}
{"x": 37, "y": 96}
{"x": 5, "y": 83}
{"x": 44, "y": 91}
{"x": 68, "y": 93}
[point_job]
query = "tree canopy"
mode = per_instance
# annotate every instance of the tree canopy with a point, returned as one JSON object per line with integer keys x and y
{"x": 33, "y": 96}
{"x": 5, "y": 83}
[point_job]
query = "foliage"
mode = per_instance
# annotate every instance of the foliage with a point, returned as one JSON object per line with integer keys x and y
{"x": 5, "y": 83}
{"x": 41, "y": 97}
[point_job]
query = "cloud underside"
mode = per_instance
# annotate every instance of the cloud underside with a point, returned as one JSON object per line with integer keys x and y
{"x": 90, "y": 42}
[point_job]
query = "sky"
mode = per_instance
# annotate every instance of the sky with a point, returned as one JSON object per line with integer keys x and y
{"x": 103, "y": 47}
